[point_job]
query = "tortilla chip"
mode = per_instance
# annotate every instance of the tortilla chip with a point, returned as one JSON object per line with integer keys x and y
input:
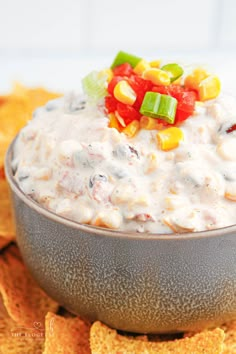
{"x": 4, "y": 242}
{"x": 25, "y": 302}
{"x": 66, "y": 335}
{"x": 18, "y": 340}
{"x": 7, "y": 230}
{"x": 230, "y": 338}
{"x": 2, "y": 173}
{"x": 3, "y": 99}
{"x": 3, "y": 311}
{"x": 105, "y": 340}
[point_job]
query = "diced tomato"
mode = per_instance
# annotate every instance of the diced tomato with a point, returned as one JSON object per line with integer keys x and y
{"x": 110, "y": 104}
{"x": 180, "y": 116}
{"x": 187, "y": 101}
{"x": 171, "y": 90}
{"x": 140, "y": 86}
{"x": 176, "y": 91}
{"x": 127, "y": 112}
{"x": 164, "y": 90}
{"x": 123, "y": 70}
{"x": 113, "y": 83}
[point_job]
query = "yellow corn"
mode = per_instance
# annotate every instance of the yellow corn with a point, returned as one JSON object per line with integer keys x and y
{"x": 114, "y": 123}
{"x": 132, "y": 128}
{"x": 169, "y": 138}
{"x": 108, "y": 72}
{"x": 124, "y": 93}
{"x": 157, "y": 76}
{"x": 193, "y": 80}
{"x": 141, "y": 67}
{"x": 149, "y": 123}
{"x": 177, "y": 82}
{"x": 155, "y": 63}
{"x": 209, "y": 88}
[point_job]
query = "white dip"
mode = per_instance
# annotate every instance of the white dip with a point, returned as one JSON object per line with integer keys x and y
{"x": 71, "y": 162}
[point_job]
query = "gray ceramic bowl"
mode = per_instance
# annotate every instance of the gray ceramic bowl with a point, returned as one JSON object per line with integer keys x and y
{"x": 133, "y": 282}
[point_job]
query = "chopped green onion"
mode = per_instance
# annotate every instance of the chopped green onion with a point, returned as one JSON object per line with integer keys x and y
{"x": 174, "y": 70}
{"x": 160, "y": 106}
{"x": 167, "y": 108}
{"x": 150, "y": 104}
{"x": 123, "y": 57}
{"x": 94, "y": 85}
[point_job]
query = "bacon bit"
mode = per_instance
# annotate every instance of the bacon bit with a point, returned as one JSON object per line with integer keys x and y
{"x": 231, "y": 129}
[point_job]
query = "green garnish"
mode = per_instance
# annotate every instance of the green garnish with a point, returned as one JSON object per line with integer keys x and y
{"x": 174, "y": 70}
{"x": 150, "y": 104}
{"x": 156, "y": 105}
{"x": 94, "y": 85}
{"x": 123, "y": 57}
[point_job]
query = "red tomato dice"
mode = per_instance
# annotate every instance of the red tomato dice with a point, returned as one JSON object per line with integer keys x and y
{"x": 164, "y": 90}
{"x": 110, "y": 104}
{"x": 127, "y": 112}
{"x": 140, "y": 86}
{"x": 123, "y": 70}
{"x": 180, "y": 116}
{"x": 113, "y": 83}
{"x": 187, "y": 101}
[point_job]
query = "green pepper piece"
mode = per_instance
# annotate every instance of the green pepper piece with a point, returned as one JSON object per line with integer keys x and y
{"x": 123, "y": 57}
{"x": 156, "y": 105}
{"x": 174, "y": 70}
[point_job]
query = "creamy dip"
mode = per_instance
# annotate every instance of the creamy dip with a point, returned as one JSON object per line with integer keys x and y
{"x": 72, "y": 163}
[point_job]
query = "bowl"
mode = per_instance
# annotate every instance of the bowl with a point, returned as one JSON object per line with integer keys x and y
{"x": 144, "y": 283}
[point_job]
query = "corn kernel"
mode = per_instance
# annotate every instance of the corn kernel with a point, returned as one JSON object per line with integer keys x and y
{"x": 132, "y": 128}
{"x": 177, "y": 82}
{"x": 155, "y": 63}
{"x": 169, "y": 138}
{"x": 141, "y": 67}
{"x": 114, "y": 123}
{"x": 209, "y": 88}
{"x": 124, "y": 93}
{"x": 149, "y": 123}
{"x": 193, "y": 80}
{"x": 157, "y": 76}
{"x": 108, "y": 72}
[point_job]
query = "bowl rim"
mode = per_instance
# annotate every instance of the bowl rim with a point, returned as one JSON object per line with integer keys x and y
{"x": 105, "y": 232}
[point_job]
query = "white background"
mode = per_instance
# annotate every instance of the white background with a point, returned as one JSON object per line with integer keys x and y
{"x": 55, "y": 43}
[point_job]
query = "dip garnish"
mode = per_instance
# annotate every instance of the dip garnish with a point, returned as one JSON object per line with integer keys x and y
{"x": 139, "y": 94}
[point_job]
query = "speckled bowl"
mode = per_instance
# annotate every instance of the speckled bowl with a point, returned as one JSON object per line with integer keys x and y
{"x": 134, "y": 282}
